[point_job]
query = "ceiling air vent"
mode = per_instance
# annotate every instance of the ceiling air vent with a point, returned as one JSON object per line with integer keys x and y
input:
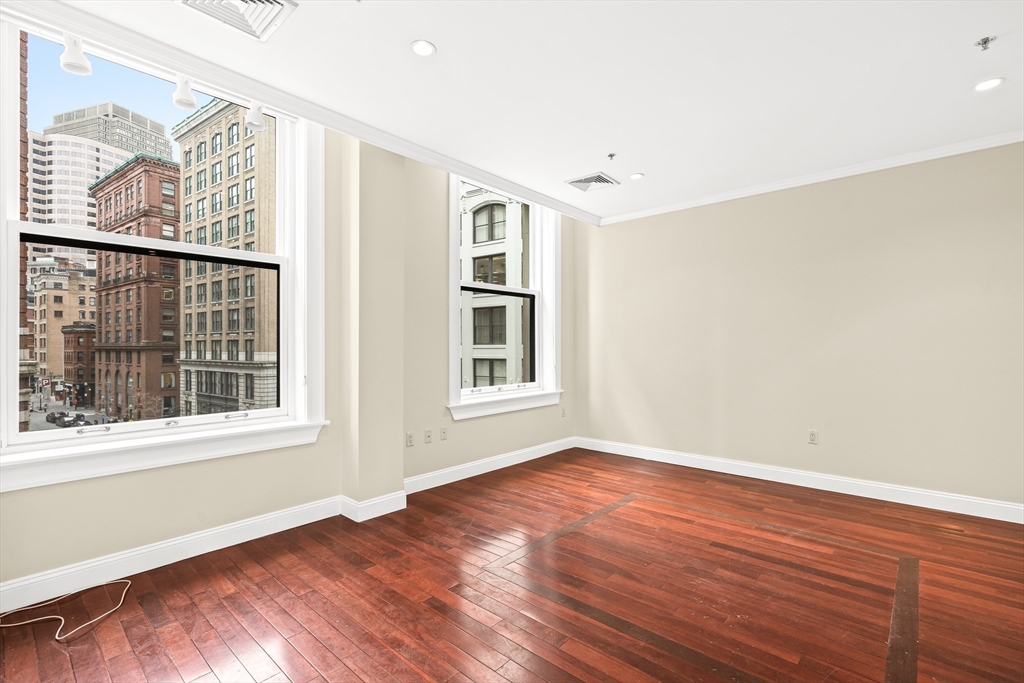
{"x": 257, "y": 18}
{"x": 594, "y": 181}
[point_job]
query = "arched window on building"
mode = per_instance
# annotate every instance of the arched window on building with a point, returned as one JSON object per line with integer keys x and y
{"x": 489, "y": 223}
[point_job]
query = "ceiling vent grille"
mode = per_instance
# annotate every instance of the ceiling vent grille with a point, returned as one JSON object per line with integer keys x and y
{"x": 593, "y": 181}
{"x": 257, "y": 18}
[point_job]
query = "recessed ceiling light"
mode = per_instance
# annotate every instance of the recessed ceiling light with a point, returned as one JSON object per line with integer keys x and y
{"x": 423, "y": 48}
{"x": 989, "y": 84}
{"x": 636, "y": 176}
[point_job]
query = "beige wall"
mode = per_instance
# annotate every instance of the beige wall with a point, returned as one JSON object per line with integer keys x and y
{"x": 885, "y": 310}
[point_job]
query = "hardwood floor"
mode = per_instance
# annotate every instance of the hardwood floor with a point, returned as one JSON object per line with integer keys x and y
{"x": 576, "y": 567}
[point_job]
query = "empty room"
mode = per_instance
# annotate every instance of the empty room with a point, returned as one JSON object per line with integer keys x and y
{"x": 509, "y": 341}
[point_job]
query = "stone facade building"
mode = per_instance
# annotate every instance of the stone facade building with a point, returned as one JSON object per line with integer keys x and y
{"x": 138, "y": 294}
{"x": 60, "y": 297}
{"x": 80, "y": 363}
{"x": 229, "y": 313}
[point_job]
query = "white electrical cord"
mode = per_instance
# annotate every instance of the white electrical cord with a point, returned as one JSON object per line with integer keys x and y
{"x": 59, "y": 618}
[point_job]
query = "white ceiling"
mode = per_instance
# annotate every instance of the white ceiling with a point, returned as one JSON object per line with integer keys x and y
{"x": 708, "y": 99}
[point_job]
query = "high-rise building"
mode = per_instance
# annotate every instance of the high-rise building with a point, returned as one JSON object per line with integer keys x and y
{"x": 114, "y": 125}
{"x": 137, "y": 294}
{"x": 229, "y": 313}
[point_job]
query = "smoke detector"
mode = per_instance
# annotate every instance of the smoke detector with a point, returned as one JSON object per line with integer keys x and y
{"x": 593, "y": 181}
{"x": 257, "y": 18}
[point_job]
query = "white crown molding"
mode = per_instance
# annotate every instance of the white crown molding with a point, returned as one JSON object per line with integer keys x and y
{"x": 935, "y": 500}
{"x": 109, "y": 40}
{"x": 422, "y": 482}
{"x": 857, "y": 169}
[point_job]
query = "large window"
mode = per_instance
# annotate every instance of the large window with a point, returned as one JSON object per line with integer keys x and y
{"x": 504, "y": 303}
{"x": 148, "y": 333}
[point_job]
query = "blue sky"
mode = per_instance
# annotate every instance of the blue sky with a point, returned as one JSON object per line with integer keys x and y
{"x": 51, "y": 90}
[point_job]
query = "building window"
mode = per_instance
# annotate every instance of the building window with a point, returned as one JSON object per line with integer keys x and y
{"x": 201, "y": 323}
{"x": 167, "y": 358}
{"x": 250, "y": 286}
{"x": 232, "y": 134}
{"x": 250, "y": 354}
{"x": 187, "y": 374}
{"x": 489, "y": 372}
{"x": 188, "y": 213}
{"x": 250, "y": 156}
{"x": 188, "y": 186}
{"x": 232, "y": 349}
{"x": 232, "y": 224}
{"x": 250, "y": 317}
{"x": 166, "y": 315}
{"x": 233, "y": 195}
{"x": 215, "y": 202}
{"x": 188, "y": 322}
{"x": 217, "y": 321}
{"x": 232, "y": 288}
{"x": 201, "y": 294}
{"x": 215, "y": 232}
{"x": 232, "y": 320}
{"x": 167, "y": 380}
{"x": 489, "y": 269}
{"x": 216, "y": 291}
{"x": 250, "y": 188}
{"x": 250, "y": 221}
{"x": 489, "y": 223}
{"x": 291, "y": 178}
{"x": 188, "y": 295}
{"x": 489, "y": 325}
{"x": 215, "y": 349}
{"x": 500, "y": 359}
{"x": 250, "y": 386}
{"x": 200, "y": 180}
{"x": 232, "y": 165}
{"x": 201, "y": 235}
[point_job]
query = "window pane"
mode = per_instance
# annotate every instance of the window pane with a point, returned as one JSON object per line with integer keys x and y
{"x": 149, "y": 329}
{"x": 497, "y": 337}
{"x": 496, "y": 228}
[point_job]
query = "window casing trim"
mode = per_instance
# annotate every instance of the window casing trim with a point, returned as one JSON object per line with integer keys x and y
{"x": 545, "y": 278}
{"x": 300, "y": 196}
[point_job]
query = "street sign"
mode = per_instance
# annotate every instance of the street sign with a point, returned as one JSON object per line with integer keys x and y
{"x": 44, "y": 382}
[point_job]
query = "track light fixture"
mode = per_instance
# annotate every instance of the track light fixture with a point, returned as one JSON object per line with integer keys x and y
{"x": 184, "y": 98}
{"x": 73, "y": 59}
{"x": 254, "y": 120}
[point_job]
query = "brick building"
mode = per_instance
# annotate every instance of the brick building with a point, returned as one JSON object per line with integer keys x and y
{"x": 137, "y": 294}
{"x": 60, "y": 297}
{"x": 80, "y": 362}
{"x": 26, "y": 338}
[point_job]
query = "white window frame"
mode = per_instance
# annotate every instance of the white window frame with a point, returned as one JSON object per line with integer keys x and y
{"x": 545, "y": 285}
{"x": 31, "y": 459}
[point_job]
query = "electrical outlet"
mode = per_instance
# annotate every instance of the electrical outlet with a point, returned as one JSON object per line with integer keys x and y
{"x": 409, "y": 438}
{"x": 444, "y": 433}
{"x": 427, "y": 436}
{"x": 812, "y": 436}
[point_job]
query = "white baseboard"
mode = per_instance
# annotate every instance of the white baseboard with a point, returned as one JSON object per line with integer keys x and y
{"x": 936, "y": 500}
{"x": 360, "y": 511}
{"x": 422, "y": 482}
{"x": 75, "y": 577}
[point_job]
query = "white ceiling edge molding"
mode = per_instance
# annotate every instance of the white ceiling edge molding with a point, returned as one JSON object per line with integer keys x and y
{"x": 50, "y": 18}
{"x": 845, "y": 172}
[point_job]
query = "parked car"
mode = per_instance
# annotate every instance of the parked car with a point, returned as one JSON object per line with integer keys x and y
{"x": 72, "y": 421}
{"x": 52, "y": 417}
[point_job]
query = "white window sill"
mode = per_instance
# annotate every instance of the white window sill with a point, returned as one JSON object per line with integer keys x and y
{"x": 492, "y": 404}
{"x": 30, "y": 465}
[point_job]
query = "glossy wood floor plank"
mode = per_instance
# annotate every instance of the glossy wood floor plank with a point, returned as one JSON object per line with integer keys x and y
{"x": 575, "y": 567}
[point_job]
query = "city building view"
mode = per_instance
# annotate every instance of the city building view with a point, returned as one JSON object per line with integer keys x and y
{"x": 495, "y": 250}
{"x": 122, "y": 334}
